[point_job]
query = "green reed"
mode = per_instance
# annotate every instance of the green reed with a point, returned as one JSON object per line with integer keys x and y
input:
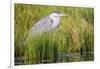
{"x": 74, "y": 35}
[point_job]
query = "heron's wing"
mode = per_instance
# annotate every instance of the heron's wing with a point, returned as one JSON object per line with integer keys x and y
{"x": 42, "y": 25}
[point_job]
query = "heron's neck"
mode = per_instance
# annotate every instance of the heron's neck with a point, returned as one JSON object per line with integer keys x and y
{"x": 56, "y": 20}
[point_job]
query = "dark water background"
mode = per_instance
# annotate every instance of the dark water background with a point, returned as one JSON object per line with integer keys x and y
{"x": 62, "y": 57}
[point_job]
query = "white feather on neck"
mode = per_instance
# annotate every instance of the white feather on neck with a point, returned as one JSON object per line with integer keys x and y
{"x": 56, "y": 19}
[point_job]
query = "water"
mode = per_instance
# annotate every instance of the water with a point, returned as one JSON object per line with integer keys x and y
{"x": 61, "y": 57}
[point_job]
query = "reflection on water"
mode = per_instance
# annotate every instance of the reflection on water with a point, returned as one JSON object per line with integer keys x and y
{"x": 61, "y": 57}
{"x": 71, "y": 57}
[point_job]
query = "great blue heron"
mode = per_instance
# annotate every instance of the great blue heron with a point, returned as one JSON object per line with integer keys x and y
{"x": 46, "y": 24}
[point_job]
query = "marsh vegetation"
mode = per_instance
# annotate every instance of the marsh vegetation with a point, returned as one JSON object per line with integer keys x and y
{"x": 72, "y": 41}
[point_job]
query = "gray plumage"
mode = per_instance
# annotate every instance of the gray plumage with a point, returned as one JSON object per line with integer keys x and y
{"x": 46, "y": 24}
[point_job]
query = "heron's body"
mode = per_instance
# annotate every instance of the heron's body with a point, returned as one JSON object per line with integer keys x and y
{"x": 46, "y": 24}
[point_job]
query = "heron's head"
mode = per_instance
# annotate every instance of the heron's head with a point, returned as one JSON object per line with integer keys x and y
{"x": 58, "y": 14}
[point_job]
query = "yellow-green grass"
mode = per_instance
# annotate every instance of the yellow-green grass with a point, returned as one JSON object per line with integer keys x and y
{"x": 74, "y": 35}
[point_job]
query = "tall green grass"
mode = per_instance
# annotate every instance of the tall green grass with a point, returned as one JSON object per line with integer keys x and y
{"x": 74, "y": 35}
